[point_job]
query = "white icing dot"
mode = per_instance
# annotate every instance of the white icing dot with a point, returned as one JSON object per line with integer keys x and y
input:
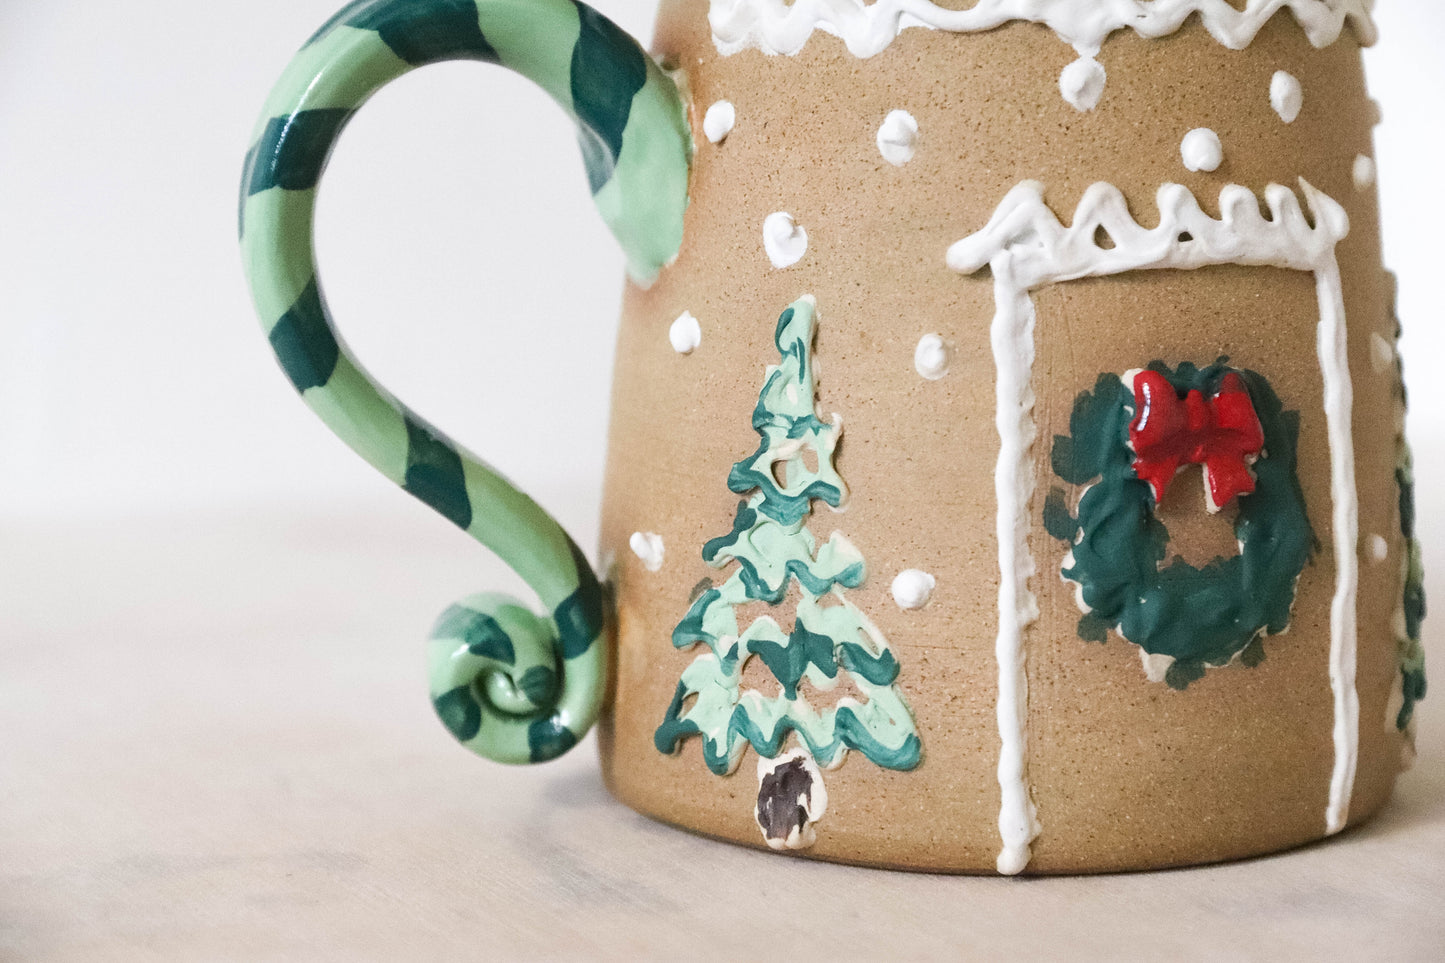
{"x": 1382, "y": 354}
{"x": 1201, "y": 150}
{"x": 1285, "y": 95}
{"x": 685, "y": 333}
{"x": 898, "y": 137}
{"x": 1363, "y": 173}
{"x": 783, "y": 239}
{"x": 1379, "y": 548}
{"x": 1082, "y": 83}
{"x": 648, "y": 547}
{"x": 912, "y": 588}
{"x": 931, "y": 357}
{"x": 718, "y": 122}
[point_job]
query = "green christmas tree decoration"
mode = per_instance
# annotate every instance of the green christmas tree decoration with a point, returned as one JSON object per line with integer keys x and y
{"x": 771, "y": 547}
{"x": 1410, "y": 653}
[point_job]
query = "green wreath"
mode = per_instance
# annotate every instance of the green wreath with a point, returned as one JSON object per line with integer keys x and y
{"x": 1197, "y": 616}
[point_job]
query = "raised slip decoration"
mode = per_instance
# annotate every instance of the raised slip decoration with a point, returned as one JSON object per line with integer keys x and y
{"x": 831, "y": 639}
{"x": 1213, "y": 424}
{"x": 1025, "y": 246}
{"x": 719, "y": 121}
{"x": 784, "y": 240}
{"x": 1201, "y": 150}
{"x": 1128, "y": 438}
{"x": 867, "y": 29}
{"x": 1286, "y": 95}
{"x": 1410, "y": 609}
{"x": 898, "y": 137}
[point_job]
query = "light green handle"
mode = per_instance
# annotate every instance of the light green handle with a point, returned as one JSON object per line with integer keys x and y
{"x": 511, "y": 685}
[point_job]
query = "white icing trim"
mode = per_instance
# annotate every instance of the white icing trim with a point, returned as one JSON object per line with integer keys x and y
{"x": 1201, "y": 150}
{"x": 932, "y": 357}
{"x": 1362, "y": 172}
{"x": 1082, "y": 83}
{"x": 784, "y": 239}
{"x": 912, "y": 588}
{"x": 1025, "y": 245}
{"x": 780, "y": 27}
{"x": 1041, "y": 250}
{"x": 648, "y": 547}
{"x": 718, "y": 122}
{"x": 1379, "y": 548}
{"x": 1012, "y": 336}
{"x": 1339, "y": 404}
{"x": 1286, "y": 95}
{"x": 685, "y": 334}
{"x": 898, "y": 137}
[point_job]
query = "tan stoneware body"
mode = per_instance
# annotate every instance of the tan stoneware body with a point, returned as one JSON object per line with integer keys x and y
{"x": 1125, "y": 773}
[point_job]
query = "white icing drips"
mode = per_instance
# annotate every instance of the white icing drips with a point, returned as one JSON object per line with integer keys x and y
{"x": 1012, "y": 337}
{"x": 913, "y": 588}
{"x": 813, "y": 805}
{"x": 685, "y": 333}
{"x": 1025, "y": 245}
{"x": 647, "y": 546}
{"x": 1382, "y": 353}
{"x": 1082, "y": 83}
{"x": 781, "y": 27}
{"x": 1339, "y": 405}
{"x": 1039, "y": 249}
{"x": 1286, "y": 95}
{"x": 784, "y": 240}
{"x": 898, "y": 137}
{"x": 718, "y": 122}
{"x": 1201, "y": 150}
{"x": 931, "y": 357}
{"x": 1379, "y": 548}
{"x": 1362, "y": 172}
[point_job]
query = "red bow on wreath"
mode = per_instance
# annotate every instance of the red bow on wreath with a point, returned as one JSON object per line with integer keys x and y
{"x": 1222, "y": 433}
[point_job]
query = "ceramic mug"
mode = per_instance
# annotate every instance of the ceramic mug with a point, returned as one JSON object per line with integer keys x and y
{"x": 1044, "y": 264}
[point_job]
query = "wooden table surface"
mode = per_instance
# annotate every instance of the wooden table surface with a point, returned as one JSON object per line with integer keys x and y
{"x": 215, "y": 744}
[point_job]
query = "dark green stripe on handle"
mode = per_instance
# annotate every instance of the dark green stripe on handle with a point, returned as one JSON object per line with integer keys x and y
{"x": 512, "y": 685}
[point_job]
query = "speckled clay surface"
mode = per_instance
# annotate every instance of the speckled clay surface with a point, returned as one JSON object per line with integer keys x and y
{"x": 1125, "y": 773}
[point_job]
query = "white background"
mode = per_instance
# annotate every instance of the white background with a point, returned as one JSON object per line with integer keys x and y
{"x": 459, "y": 247}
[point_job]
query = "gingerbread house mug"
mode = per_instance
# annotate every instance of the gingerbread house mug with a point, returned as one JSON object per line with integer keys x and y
{"x": 1114, "y": 565}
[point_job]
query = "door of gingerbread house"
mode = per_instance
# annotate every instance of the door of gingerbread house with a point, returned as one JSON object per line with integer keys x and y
{"x": 1261, "y": 407}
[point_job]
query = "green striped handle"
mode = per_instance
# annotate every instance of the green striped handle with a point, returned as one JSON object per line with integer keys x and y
{"x": 510, "y": 684}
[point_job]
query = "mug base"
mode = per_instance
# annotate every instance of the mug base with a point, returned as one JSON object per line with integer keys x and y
{"x": 1050, "y": 857}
